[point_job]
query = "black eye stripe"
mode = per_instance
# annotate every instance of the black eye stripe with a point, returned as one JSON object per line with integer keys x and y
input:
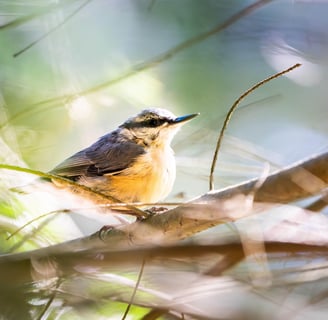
{"x": 149, "y": 123}
{"x": 153, "y": 123}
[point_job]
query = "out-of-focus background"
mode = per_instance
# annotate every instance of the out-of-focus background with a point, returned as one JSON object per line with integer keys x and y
{"x": 73, "y": 70}
{"x": 82, "y": 45}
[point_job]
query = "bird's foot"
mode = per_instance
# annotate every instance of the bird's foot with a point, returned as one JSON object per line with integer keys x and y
{"x": 156, "y": 210}
{"x": 152, "y": 211}
{"x": 104, "y": 230}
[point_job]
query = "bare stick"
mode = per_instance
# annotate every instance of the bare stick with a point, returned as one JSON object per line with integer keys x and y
{"x": 51, "y": 299}
{"x": 45, "y": 215}
{"x": 135, "y": 289}
{"x": 233, "y": 108}
{"x": 27, "y": 18}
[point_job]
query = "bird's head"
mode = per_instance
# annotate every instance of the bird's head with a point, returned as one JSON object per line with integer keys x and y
{"x": 155, "y": 126}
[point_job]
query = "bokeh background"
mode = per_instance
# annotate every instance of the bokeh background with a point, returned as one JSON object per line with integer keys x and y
{"x": 81, "y": 45}
{"x": 73, "y": 70}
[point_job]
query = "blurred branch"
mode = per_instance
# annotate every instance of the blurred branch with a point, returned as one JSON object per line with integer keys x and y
{"x": 319, "y": 204}
{"x": 51, "y": 30}
{"x": 50, "y": 300}
{"x": 301, "y": 180}
{"x": 134, "y": 290}
{"x": 18, "y": 268}
{"x": 164, "y": 56}
{"x": 41, "y": 12}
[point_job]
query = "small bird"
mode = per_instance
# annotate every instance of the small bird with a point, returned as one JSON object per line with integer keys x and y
{"x": 133, "y": 163}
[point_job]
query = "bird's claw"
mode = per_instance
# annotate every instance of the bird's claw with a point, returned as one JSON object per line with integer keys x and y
{"x": 155, "y": 210}
{"x": 104, "y": 230}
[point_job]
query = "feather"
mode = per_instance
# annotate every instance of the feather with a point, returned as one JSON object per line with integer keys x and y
{"x": 111, "y": 154}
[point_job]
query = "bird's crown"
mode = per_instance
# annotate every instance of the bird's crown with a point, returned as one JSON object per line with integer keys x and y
{"x": 150, "y": 118}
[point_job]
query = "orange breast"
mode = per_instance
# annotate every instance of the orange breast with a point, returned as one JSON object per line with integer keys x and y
{"x": 149, "y": 179}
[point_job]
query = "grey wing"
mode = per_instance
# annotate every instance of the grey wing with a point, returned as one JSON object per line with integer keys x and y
{"x": 108, "y": 155}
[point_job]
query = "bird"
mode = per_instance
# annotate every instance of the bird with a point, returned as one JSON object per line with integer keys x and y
{"x": 133, "y": 163}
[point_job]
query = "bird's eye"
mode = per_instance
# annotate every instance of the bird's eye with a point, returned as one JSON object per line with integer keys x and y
{"x": 154, "y": 122}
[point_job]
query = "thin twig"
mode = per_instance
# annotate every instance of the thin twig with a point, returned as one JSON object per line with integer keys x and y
{"x": 19, "y": 21}
{"x": 51, "y": 299}
{"x": 29, "y": 236}
{"x": 15, "y": 55}
{"x": 231, "y": 111}
{"x": 36, "y": 219}
{"x": 135, "y": 289}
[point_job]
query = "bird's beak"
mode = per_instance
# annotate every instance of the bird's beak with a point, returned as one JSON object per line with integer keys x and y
{"x": 184, "y": 118}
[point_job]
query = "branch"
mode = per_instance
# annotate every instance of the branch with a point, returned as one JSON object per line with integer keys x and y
{"x": 18, "y": 268}
{"x": 299, "y": 181}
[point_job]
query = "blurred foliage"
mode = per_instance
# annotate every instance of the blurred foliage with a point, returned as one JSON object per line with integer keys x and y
{"x": 78, "y": 47}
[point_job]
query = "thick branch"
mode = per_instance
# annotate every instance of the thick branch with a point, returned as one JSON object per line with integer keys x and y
{"x": 296, "y": 182}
